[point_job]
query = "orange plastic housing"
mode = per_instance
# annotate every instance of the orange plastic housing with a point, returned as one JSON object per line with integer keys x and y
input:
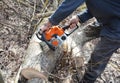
{"x": 55, "y": 42}
{"x": 54, "y": 30}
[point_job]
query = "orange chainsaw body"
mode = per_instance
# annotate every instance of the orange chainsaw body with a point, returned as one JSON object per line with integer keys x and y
{"x": 54, "y": 30}
{"x": 54, "y": 36}
{"x": 49, "y": 34}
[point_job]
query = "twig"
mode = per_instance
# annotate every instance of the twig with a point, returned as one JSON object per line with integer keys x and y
{"x": 55, "y": 4}
{"x": 40, "y": 20}
{"x": 43, "y": 15}
{"x": 25, "y": 4}
{"x": 8, "y": 24}
{"x": 115, "y": 66}
{"x": 44, "y": 3}
{"x": 33, "y": 15}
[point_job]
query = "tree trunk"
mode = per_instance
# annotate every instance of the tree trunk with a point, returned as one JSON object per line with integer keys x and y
{"x": 40, "y": 61}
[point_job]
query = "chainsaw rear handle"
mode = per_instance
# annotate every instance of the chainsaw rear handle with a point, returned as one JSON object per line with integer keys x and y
{"x": 68, "y": 26}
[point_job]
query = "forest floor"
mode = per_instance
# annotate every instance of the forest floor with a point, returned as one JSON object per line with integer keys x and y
{"x": 17, "y": 24}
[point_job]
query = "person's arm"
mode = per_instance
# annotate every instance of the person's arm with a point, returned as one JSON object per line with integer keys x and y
{"x": 64, "y": 10}
{"x": 84, "y": 16}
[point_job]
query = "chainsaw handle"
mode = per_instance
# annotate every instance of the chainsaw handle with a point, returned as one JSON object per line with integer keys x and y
{"x": 66, "y": 27}
{"x": 73, "y": 30}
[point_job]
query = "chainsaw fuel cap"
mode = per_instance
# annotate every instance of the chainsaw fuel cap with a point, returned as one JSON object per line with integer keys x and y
{"x": 63, "y": 37}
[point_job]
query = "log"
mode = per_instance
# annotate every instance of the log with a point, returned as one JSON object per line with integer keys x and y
{"x": 40, "y": 61}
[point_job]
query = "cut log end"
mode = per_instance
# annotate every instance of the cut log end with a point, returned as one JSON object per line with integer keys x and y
{"x": 30, "y": 73}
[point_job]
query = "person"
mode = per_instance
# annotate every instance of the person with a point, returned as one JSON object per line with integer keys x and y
{"x": 107, "y": 13}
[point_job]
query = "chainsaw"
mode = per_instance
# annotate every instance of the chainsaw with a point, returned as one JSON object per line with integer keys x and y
{"x": 55, "y": 36}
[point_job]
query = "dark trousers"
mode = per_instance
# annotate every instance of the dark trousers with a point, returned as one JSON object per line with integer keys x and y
{"x": 99, "y": 58}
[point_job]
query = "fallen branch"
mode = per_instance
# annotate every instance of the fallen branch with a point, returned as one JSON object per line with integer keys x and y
{"x": 43, "y": 15}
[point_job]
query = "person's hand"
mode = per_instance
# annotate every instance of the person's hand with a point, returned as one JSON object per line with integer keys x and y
{"x": 74, "y": 21}
{"x": 46, "y": 26}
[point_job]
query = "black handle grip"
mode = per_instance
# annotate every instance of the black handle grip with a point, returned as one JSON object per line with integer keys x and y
{"x": 73, "y": 30}
{"x": 66, "y": 27}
